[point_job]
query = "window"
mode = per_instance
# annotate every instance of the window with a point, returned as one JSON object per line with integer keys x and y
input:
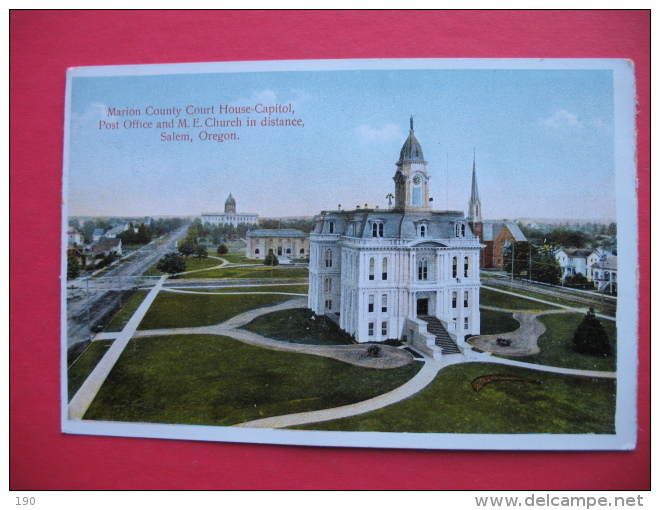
{"x": 328, "y": 284}
{"x": 279, "y": 250}
{"x": 328, "y": 258}
{"x": 454, "y": 267}
{"x": 383, "y": 307}
{"x": 302, "y": 251}
{"x": 416, "y": 196}
{"x": 371, "y": 329}
{"x": 422, "y": 270}
{"x": 465, "y": 299}
{"x": 377, "y": 229}
{"x": 372, "y": 267}
{"x": 422, "y": 231}
{"x": 462, "y": 229}
{"x": 453, "y": 299}
{"x": 466, "y": 266}
{"x": 466, "y": 323}
{"x": 458, "y": 230}
{"x": 385, "y": 268}
{"x": 328, "y": 304}
{"x": 383, "y": 329}
{"x": 256, "y": 251}
{"x": 331, "y": 227}
{"x": 371, "y": 303}
{"x": 288, "y": 251}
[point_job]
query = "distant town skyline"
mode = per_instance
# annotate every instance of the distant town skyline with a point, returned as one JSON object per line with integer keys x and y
{"x": 543, "y": 140}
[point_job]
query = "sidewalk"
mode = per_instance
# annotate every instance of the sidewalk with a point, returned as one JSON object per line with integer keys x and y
{"x": 87, "y": 392}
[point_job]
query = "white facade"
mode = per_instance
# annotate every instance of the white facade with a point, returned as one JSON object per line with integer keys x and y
{"x": 573, "y": 261}
{"x": 376, "y": 272}
{"x": 230, "y": 216}
{"x": 287, "y": 243}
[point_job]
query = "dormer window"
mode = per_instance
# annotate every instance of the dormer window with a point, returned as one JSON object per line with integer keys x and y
{"x": 460, "y": 229}
{"x": 331, "y": 227}
{"x": 377, "y": 229}
{"x": 422, "y": 231}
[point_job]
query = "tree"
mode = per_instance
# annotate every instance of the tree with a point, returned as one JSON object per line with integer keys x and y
{"x": 200, "y": 252}
{"x": 545, "y": 267}
{"x": 171, "y": 263}
{"x": 271, "y": 260}
{"x": 222, "y": 249}
{"x": 576, "y": 278}
{"x": 540, "y": 259}
{"x": 73, "y": 268}
{"x": 590, "y": 336}
{"x": 186, "y": 247}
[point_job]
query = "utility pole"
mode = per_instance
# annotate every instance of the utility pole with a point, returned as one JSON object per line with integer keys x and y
{"x": 513, "y": 257}
{"x": 529, "y": 271}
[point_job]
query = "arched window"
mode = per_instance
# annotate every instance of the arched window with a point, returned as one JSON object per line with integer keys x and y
{"x": 422, "y": 270}
{"x": 458, "y": 230}
{"x": 372, "y": 268}
{"x": 279, "y": 250}
{"x": 383, "y": 307}
{"x": 302, "y": 251}
{"x": 256, "y": 251}
{"x": 465, "y": 299}
{"x": 462, "y": 229}
{"x": 288, "y": 251}
{"x": 454, "y": 267}
{"x": 377, "y": 229}
{"x": 422, "y": 231}
{"x": 328, "y": 258}
{"x": 454, "y": 297}
{"x": 385, "y": 268}
{"x": 466, "y": 266}
{"x": 331, "y": 227}
{"x": 328, "y": 284}
{"x": 371, "y": 303}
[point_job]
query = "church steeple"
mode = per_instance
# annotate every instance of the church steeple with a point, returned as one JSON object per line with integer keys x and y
{"x": 411, "y": 178}
{"x": 474, "y": 206}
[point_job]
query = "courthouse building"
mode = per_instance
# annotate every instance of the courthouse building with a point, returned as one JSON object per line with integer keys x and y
{"x": 287, "y": 243}
{"x": 407, "y": 273}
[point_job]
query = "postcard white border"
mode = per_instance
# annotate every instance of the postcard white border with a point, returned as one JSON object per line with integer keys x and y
{"x": 627, "y": 313}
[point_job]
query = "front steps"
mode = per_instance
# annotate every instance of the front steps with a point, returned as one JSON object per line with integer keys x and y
{"x": 442, "y": 338}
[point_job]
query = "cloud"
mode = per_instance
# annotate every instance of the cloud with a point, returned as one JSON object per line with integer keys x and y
{"x": 562, "y": 119}
{"x": 90, "y": 117}
{"x": 388, "y": 133}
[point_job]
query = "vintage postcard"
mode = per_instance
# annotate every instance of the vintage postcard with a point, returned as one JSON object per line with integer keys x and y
{"x": 376, "y": 253}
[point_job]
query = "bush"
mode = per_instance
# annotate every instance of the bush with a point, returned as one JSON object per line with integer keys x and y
{"x": 172, "y": 263}
{"x": 271, "y": 260}
{"x": 590, "y": 337}
{"x": 576, "y": 278}
{"x": 222, "y": 249}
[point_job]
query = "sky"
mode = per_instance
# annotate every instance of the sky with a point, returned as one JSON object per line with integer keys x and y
{"x": 543, "y": 142}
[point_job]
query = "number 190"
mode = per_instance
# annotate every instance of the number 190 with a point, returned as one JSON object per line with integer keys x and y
{"x": 25, "y": 501}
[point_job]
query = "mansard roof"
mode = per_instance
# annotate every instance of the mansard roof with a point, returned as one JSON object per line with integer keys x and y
{"x": 276, "y": 233}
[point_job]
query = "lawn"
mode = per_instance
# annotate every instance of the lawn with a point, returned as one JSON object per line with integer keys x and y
{"x": 558, "y": 405}
{"x": 557, "y": 346}
{"x": 291, "y": 289}
{"x": 120, "y": 320}
{"x": 259, "y": 271}
{"x": 83, "y": 366}
{"x": 211, "y": 380}
{"x": 174, "y": 310}
{"x": 494, "y": 323}
{"x": 192, "y": 264}
{"x": 493, "y": 298}
{"x": 239, "y": 258}
{"x": 299, "y": 326}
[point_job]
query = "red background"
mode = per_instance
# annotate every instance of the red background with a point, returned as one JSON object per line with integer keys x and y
{"x": 45, "y": 44}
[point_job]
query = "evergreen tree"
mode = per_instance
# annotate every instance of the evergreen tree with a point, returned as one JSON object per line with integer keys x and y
{"x": 590, "y": 336}
{"x": 271, "y": 260}
{"x": 186, "y": 247}
{"x": 222, "y": 249}
{"x": 73, "y": 268}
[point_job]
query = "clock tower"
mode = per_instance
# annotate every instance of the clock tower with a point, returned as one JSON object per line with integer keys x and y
{"x": 411, "y": 179}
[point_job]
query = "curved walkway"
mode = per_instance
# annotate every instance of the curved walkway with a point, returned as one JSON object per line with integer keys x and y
{"x": 222, "y": 264}
{"x": 422, "y": 379}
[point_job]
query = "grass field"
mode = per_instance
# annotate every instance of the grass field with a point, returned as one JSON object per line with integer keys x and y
{"x": 493, "y": 298}
{"x": 84, "y": 365}
{"x": 295, "y": 289}
{"x": 192, "y": 264}
{"x": 239, "y": 258}
{"x": 210, "y": 380}
{"x": 299, "y": 326}
{"x": 173, "y": 310}
{"x": 493, "y": 323}
{"x": 557, "y": 346}
{"x": 124, "y": 315}
{"x": 558, "y": 405}
{"x": 259, "y": 271}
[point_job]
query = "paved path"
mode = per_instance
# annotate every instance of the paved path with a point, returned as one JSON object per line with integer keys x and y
{"x": 182, "y": 291}
{"x": 422, "y": 379}
{"x": 557, "y": 305}
{"x": 85, "y": 395}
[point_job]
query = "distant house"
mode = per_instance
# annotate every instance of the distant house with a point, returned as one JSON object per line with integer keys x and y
{"x": 97, "y": 234}
{"x": 114, "y": 231}
{"x": 283, "y": 243}
{"x": 575, "y": 260}
{"x": 77, "y": 252}
{"x": 73, "y": 237}
{"x": 497, "y": 235}
{"x": 106, "y": 247}
{"x": 605, "y": 274}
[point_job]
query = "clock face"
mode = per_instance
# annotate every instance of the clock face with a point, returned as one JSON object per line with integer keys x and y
{"x": 417, "y": 180}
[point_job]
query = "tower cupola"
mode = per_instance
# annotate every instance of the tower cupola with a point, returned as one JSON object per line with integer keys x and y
{"x": 230, "y": 204}
{"x": 411, "y": 178}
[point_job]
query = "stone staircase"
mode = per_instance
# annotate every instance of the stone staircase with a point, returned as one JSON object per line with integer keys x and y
{"x": 442, "y": 338}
